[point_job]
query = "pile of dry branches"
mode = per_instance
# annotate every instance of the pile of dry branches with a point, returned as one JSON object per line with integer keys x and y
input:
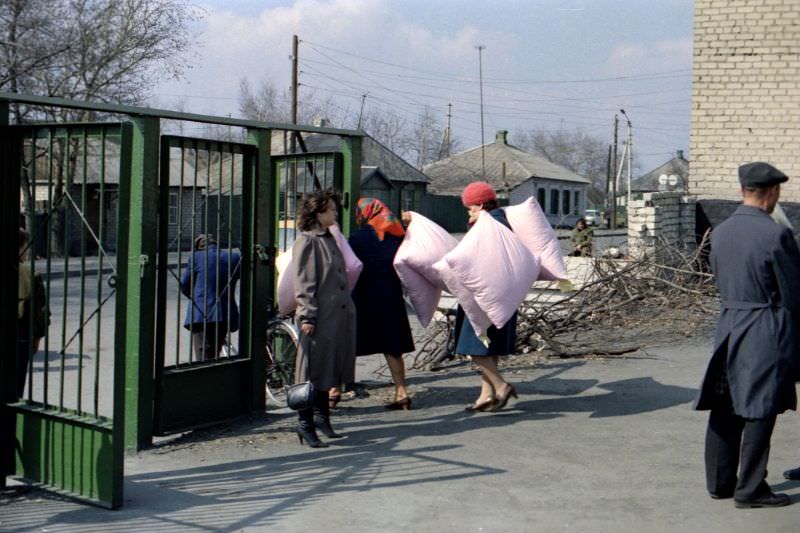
{"x": 623, "y": 305}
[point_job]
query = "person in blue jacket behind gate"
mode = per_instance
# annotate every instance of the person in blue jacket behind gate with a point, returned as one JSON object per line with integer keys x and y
{"x": 209, "y": 282}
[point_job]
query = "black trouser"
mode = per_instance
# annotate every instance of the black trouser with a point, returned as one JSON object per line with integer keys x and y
{"x": 736, "y": 443}
{"x": 208, "y": 339}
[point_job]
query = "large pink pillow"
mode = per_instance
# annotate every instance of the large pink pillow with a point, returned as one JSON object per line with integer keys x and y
{"x": 424, "y": 244}
{"x": 492, "y": 268}
{"x": 531, "y": 226}
{"x": 286, "y": 299}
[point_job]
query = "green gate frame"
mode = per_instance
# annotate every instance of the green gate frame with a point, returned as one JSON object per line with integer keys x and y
{"x": 133, "y": 424}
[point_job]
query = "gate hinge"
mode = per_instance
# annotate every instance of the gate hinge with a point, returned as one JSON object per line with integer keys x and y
{"x": 143, "y": 261}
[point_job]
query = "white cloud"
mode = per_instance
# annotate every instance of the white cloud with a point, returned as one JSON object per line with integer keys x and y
{"x": 628, "y": 59}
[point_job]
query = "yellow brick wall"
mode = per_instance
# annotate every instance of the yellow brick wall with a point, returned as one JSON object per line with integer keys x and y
{"x": 745, "y": 93}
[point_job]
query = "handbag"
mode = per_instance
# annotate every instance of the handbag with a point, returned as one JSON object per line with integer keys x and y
{"x": 300, "y": 396}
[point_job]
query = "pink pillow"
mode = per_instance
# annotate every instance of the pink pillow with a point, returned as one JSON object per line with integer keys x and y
{"x": 352, "y": 264}
{"x": 531, "y": 226}
{"x": 284, "y": 264}
{"x": 489, "y": 269}
{"x": 423, "y": 294}
{"x": 425, "y": 243}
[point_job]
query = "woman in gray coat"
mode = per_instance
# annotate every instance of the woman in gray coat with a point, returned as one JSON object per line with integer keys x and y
{"x": 325, "y": 312}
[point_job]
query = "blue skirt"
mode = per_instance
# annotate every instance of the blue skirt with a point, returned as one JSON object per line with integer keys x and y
{"x": 502, "y": 341}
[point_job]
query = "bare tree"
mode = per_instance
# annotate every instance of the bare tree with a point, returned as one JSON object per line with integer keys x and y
{"x": 576, "y": 150}
{"x": 97, "y": 50}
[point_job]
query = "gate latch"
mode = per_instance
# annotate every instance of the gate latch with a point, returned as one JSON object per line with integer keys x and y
{"x": 143, "y": 261}
{"x": 262, "y": 254}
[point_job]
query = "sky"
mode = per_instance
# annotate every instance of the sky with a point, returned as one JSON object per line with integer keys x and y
{"x": 546, "y": 64}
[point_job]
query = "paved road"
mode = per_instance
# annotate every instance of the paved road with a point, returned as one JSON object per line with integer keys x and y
{"x": 591, "y": 445}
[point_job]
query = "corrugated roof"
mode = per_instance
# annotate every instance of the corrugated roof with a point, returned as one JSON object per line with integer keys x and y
{"x": 449, "y": 176}
{"x": 677, "y": 166}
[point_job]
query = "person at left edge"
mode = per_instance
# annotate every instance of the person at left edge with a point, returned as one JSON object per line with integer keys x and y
{"x": 209, "y": 282}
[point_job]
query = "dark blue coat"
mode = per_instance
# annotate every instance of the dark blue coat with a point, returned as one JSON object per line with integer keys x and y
{"x": 381, "y": 318}
{"x": 210, "y": 282}
{"x": 757, "y": 268}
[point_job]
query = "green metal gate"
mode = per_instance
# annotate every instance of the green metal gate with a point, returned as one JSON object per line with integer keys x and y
{"x": 68, "y": 420}
{"x": 206, "y": 191}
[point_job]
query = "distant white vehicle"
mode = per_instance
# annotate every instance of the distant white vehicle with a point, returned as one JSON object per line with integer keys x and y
{"x": 592, "y": 217}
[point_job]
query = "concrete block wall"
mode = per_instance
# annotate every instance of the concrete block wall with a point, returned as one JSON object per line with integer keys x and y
{"x": 661, "y": 218}
{"x": 745, "y": 93}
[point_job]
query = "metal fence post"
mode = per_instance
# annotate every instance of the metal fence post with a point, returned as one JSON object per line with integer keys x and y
{"x": 138, "y": 235}
{"x": 260, "y": 287}
{"x": 9, "y": 248}
{"x": 351, "y": 180}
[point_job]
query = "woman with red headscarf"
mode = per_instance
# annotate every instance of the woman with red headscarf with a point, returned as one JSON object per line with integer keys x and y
{"x": 381, "y": 319}
{"x": 495, "y": 391}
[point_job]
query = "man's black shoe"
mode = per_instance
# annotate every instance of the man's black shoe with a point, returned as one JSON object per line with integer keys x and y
{"x": 767, "y": 500}
{"x": 793, "y": 474}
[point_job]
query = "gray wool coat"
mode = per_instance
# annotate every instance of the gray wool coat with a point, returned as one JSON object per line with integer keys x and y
{"x": 327, "y": 357}
{"x": 757, "y": 267}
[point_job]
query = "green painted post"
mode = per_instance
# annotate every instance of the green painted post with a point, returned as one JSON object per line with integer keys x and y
{"x": 351, "y": 180}
{"x": 136, "y": 301}
{"x": 260, "y": 285}
{"x": 9, "y": 248}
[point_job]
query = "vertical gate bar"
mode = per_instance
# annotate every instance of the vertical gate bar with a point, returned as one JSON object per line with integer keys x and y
{"x": 179, "y": 295}
{"x": 162, "y": 265}
{"x": 49, "y": 267}
{"x": 231, "y": 292}
{"x": 287, "y": 192}
{"x": 83, "y": 277}
{"x": 260, "y": 196}
{"x": 139, "y": 291}
{"x": 217, "y": 266}
{"x": 100, "y": 258}
{"x": 206, "y": 224}
{"x": 65, "y": 175}
{"x": 190, "y": 263}
{"x": 351, "y": 180}
{"x": 32, "y": 245}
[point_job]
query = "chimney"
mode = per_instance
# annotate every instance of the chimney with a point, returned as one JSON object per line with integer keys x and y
{"x": 501, "y": 137}
{"x": 680, "y": 154}
{"x": 322, "y": 122}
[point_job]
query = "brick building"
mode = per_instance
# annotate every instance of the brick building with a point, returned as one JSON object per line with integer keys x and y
{"x": 745, "y": 93}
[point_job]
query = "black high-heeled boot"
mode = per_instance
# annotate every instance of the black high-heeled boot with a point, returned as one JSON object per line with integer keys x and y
{"x": 322, "y": 415}
{"x": 305, "y": 429}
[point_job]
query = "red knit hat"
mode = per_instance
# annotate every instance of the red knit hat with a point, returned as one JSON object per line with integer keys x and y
{"x": 477, "y": 193}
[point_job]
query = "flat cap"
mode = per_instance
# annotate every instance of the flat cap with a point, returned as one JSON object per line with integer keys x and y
{"x": 760, "y": 174}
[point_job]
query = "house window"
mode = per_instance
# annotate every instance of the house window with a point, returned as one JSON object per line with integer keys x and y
{"x": 576, "y": 205}
{"x": 173, "y": 209}
{"x": 554, "y": 197}
{"x": 541, "y": 196}
{"x": 407, "y": 202}
{"x": 565, "y": 208}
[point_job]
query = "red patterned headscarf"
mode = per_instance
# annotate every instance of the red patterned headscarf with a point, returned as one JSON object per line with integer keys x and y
{"x": 375, "y": 213}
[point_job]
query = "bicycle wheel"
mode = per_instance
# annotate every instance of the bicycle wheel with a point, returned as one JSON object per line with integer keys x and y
{"x": 282, "y": 343}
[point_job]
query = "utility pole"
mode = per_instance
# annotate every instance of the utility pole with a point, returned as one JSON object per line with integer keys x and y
{"x": 609, "y": 203}
{"x": 480, "y": 48}
{"x": 614, "y": 181}
{"x": 361, "y": 113}
{"x": 629, "y": 150}
{"x": 295, "y": 90}
{"x": 444, "y": 149}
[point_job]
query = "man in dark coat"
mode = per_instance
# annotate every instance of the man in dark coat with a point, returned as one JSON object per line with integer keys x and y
{"x": 210, "y": 283}
{"x": 751, "y": 376}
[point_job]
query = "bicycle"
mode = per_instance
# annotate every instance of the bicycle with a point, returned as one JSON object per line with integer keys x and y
{"x": 281, "y": 353}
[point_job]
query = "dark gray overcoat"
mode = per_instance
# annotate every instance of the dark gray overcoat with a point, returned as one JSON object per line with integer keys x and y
{"x": 757, "y": 268}
{"x": 323, "y": 299}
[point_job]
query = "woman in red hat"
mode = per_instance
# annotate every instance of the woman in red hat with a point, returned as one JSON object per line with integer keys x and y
{"x": 495, "y": 391}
